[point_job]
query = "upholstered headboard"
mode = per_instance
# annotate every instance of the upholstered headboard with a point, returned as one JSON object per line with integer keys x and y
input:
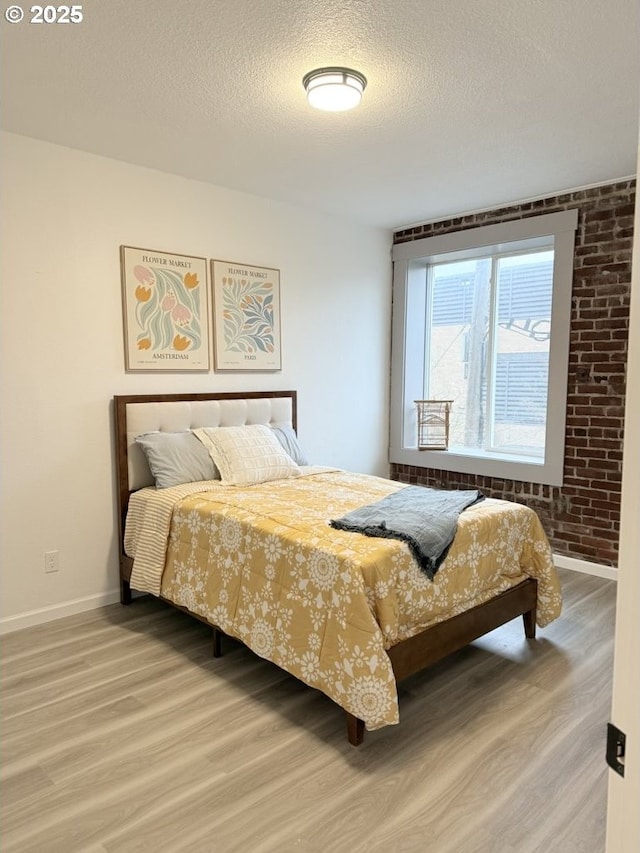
{"x": 140, "y": 413}
{"x": 178, "y": 415}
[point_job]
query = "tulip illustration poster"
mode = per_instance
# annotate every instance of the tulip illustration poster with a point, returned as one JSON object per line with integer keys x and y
{"x": 246, "y": 316}
{"x": 165, "y": 299}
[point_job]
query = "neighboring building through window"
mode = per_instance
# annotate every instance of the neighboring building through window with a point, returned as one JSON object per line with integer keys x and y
{"x": 481, "y": 317}
{"x": 495, "y": 312}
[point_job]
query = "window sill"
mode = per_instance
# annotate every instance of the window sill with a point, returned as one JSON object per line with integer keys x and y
{"x": 523, "y": 469}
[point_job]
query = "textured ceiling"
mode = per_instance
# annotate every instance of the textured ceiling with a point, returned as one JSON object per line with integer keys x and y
{"x": 470, "y": 103}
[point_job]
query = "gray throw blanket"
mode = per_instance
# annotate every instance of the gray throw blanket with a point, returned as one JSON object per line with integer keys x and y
{"x": 426, "y": 519}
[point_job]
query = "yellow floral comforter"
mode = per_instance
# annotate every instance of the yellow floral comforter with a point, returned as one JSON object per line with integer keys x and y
{"x": 263, "y": 564}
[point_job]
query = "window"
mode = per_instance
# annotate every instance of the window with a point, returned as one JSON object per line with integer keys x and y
{"x": 481, "y": 317}
{"x": 488, "y": 329}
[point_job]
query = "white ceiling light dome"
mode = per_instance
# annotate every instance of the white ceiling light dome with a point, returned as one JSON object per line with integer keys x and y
{"x": 334, "y": 89}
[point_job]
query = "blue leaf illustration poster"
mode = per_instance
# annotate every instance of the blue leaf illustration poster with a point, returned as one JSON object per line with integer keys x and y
{"x": 246, "y": 317}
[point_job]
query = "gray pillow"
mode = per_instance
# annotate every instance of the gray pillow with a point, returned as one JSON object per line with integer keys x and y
{"x": 289, "y": 440}
{"x": 177, "y": 457}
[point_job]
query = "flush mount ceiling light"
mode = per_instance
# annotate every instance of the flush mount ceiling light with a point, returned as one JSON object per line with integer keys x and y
{"x": 334, "y": 89}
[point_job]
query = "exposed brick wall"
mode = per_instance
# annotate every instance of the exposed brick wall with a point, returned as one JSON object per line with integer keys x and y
{"x": 581, "y": 519}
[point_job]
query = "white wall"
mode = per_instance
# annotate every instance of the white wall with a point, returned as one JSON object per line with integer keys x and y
{"x": 64, "y": 215}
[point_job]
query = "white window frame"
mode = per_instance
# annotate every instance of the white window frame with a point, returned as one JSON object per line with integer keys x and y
{"x": 408, "y": 351}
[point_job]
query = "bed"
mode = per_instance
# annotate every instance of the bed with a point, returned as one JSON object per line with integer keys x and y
{"x": 345, "y": 613}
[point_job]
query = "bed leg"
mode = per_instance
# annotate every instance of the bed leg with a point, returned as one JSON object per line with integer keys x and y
{"x": 355, "y": 729}
{"x": 529, "y": 619}
{"x": 217, "y": 642}
{"x": 125, "y": 592}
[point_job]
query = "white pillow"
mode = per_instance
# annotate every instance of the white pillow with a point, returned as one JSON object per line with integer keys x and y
{"x": 247, "y": 454}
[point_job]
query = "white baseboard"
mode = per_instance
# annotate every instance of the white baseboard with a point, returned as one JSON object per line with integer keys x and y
{"x": 585, "y": 567}
{"x": 91, "y": 602}
{"x": 57, "y": 611}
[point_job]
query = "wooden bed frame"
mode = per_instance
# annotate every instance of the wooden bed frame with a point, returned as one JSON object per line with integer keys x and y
{"x": 407, "y": 657}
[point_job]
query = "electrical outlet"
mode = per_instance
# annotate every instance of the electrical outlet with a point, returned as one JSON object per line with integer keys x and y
{"x": 51, "y": 561}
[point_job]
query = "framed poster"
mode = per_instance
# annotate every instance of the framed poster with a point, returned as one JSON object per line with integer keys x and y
{"x": 166, "y": 312}
{"x": 246, "y": 317}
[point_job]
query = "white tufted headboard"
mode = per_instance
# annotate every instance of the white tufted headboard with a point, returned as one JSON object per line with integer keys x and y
{"x": 180, "y": 415}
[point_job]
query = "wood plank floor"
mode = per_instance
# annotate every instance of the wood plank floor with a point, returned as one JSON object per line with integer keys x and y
{"x": 121, "y": 733}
